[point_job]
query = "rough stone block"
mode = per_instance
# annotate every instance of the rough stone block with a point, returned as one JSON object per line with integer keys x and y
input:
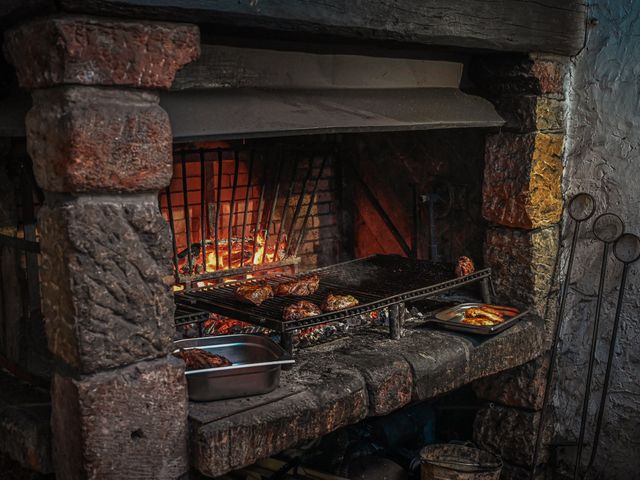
{"x": 504, "y": 74}
{"x": 106, "y": 282}
{"x": 125, "y": 423}
{"x": 87, "y": 139}
{"x": 97, "y": 51}
{"x": 532, "y": 254}
{"x": 531, "y": 113}
{"x": 522, "y": 386}
{"x": 510, "y": 433}
{"x": 522, "y": 180}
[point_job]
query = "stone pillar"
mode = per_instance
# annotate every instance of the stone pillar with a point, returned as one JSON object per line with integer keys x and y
{"x": 522, "y": 201}
{"x": 101, "y": 150}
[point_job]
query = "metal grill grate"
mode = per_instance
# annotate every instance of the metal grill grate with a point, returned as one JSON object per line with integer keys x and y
{"x": 270, "y": 194}
{"x": 377, "y": 282}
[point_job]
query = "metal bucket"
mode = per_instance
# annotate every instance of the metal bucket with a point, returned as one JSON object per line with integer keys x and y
{"x": 458, "y": 462}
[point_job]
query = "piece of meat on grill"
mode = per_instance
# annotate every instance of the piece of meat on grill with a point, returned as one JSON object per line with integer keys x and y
{"x": 338, "y": 302}
{"x": 301, "y": 309}
{"x": 197, "y": 359}
{"x": 255, "y": 294}
{"x": 464, "y": 267}
{"x": 300, "y": 287}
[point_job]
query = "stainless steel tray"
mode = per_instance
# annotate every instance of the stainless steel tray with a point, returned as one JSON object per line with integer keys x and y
{"x": 451, "y": 319}
{"x": 256, "y": 367}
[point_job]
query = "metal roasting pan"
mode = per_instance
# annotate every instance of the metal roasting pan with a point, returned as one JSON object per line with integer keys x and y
{"x": 451, "y": 319}
{"x": 256, "y": 363}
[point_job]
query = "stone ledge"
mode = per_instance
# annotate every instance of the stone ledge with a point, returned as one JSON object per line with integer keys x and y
{"x": 343, "y": 382}
{"x": 25, "y": 434}
{"x": 99, "y": 51}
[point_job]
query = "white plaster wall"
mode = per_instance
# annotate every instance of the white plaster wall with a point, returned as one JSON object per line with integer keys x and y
{"x": 603, "y": 158}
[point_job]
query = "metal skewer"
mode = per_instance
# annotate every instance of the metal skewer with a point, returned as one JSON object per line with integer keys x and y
{"x": 607, "y": 228}
{"x": 581, "y": 208}
{"x": 626, "y": 250}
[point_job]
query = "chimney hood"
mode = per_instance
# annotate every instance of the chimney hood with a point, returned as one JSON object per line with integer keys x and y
{"x": 236, "y": 92}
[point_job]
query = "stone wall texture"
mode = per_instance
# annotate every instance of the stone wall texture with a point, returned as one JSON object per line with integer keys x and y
{"x": 603, "y": 144}
{"x": 106, "y": 282}
{"x": 94, "y": 51}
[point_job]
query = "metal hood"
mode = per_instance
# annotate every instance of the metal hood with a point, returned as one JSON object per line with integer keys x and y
{"x": 242, "y": 93}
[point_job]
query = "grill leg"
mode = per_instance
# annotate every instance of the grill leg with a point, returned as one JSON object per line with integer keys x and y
{"x": 485, "y": 285}
{"x": 286, "y": 342}
{"x": 396, "y": 321}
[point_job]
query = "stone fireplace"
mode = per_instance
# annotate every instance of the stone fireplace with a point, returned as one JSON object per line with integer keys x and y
{"x": 119, "y": 203}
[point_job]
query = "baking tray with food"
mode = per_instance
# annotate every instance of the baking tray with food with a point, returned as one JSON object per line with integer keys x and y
{"x": 479, "y": 318}
{"x": 231, "y": 366}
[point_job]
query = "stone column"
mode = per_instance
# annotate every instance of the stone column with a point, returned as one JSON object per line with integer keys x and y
{"x": 101, "y": 149}
{"x": 522, "y": 201}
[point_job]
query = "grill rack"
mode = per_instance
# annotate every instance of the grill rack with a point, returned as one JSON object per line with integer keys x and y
{"x": 379, "y": 281}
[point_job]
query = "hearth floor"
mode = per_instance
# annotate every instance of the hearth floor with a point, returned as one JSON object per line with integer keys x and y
{"x": 345, "y": 381}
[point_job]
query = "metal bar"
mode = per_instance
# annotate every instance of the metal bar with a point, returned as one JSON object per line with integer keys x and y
{"x": 416, "y": 220}
{"x": 396, "y": 321}
{"x": 607, "y": 374}
{"x": 592, "y": 357}
{"x": 286, "y": 204}
{"x": 312, "y": 199}
{"x": 382, "y": 212}
{"x": 173, "y": 232}
{"x": 203, "y": 215}
{"x": 296, "y": 212}
{"x": 217, "y": 274}
{"x": 19, "y": 243}
{"x": 236, "y": 169}
{"x": 263, "y": 187}
{"x": 216, "y": 233}
{"x": 272, "y": 208}
{"x": 185, "y": 196}
{"x": 246, "y": 208}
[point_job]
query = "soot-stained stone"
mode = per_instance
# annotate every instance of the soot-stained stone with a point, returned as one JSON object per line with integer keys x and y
{"x": 97, "y": 51}
{"x": 523, "y": 179}
{"x": 522, "y": 264}
{"x": 106, "y": 282}
{"x": 125, "y": 423}
{"x": 522, "y": 386}
{"x": 530, "y": 113}
{"x": 88, "y": 139}
{"x": 504, "y": 74}
{"x": 510, "y": 433}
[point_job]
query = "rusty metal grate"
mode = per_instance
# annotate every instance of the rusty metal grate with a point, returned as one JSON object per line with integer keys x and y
{"x": 378, "y": 282}
{"x": 270, "y": 194}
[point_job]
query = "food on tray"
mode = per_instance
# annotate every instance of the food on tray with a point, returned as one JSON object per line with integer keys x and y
{"x": 299, "y": 287}
{"x": 487, "y": 315}
{"x": 338, "y": 302}
{"x": 301, "y": 309}
{"x": 256, "y": 293}
{"x": 464, "y": 267}
{"x": 197, "y": 359}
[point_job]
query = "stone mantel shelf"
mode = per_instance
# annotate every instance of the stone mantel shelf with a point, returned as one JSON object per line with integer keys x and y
{"x": 345, "y": 381}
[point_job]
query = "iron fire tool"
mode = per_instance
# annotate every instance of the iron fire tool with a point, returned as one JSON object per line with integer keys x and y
{"x": 607, "y": 228}
{"x": 626, "y": 250}
{"x": 581, "y": 208}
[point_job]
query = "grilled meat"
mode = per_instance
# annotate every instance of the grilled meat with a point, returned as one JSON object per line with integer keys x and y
{"x": 299, "y": 287}
{"x": 197, "y": 359}
{"x": 483, "y": 316}
{"x": 338, "y": 302}
{"x": 255, "y": 294}
{"x": 501, "y": 311}
{"x": 301, "y": 309}
{"x": 464, "y": 267}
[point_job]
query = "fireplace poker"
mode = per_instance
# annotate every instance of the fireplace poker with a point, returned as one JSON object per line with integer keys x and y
{"x": 607, "y": 228}
{"x": 626, "y": 250}
{"x": 581, "y": 208}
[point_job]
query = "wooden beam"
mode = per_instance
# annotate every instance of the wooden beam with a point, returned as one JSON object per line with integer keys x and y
{"x": 551, "y": 26}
